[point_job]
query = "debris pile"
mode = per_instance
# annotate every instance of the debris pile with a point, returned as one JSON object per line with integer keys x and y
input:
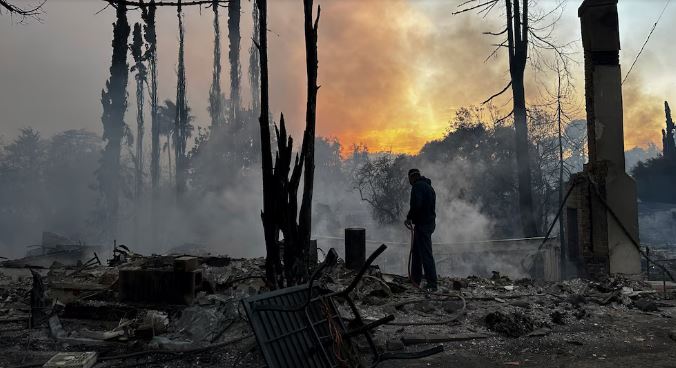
{"x": 88, "y": 309}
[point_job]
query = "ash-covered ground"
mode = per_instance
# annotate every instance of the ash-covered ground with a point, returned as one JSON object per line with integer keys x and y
{"x": 481, "y": 322}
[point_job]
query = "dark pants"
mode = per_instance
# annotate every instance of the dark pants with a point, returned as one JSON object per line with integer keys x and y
{"x": 422, "y": 257}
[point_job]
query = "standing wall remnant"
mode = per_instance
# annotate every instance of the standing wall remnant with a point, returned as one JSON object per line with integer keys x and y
{"x": 602, "y": 213}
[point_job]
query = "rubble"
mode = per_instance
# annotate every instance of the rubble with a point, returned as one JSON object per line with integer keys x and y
{"x": 495, "y": 319}
{"x": 72, "y": 360}
{"x": 511, "y": 324}
{"x": 55, "y": 248}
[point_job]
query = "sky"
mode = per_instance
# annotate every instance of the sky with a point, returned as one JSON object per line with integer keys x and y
{"x": 392, "y": 72}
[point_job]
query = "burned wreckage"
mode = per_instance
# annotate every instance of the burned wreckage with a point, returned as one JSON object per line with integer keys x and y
{"x": 306, "y": 318}
{"x": 182, "y": 311}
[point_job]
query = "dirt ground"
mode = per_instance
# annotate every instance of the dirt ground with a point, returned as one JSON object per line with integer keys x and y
{"x": 633, "y": 339}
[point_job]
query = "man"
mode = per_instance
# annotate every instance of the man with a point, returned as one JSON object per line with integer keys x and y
{"x": 421, "y": 218}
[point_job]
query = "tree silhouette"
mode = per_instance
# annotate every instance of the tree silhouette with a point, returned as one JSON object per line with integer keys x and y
{"x": 150, "y": 34}
{"x": 141, "y": 80}
{"x": 281, "y": 181}
{"x": 254, "y": 61}
{"x": 216, "y": 97}
{"x": 521, "y": 32}
{"x": 234, "y": 8}
{"x": 181, "y": 131}
{"x": 114, "y": 101}
{"x": 166, "y": 118}
{"x": 668, "y": 147}
{"x": 32, "y": 12}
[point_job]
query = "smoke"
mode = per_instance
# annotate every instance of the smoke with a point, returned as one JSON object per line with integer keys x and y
{"x": 643, "y": 114}
{"x": 392, "y": 73}
{"x": 656, "y": 224}
{"x": 226, "y": 222}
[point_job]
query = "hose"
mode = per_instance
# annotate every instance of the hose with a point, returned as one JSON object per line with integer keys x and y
{"x": 410, "y": 255}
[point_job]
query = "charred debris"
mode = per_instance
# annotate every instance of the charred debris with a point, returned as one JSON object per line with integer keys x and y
{"x": 65, "y": 301}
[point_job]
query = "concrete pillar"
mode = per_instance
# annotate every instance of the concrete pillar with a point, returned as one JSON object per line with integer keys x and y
{"x": 603, "y": 244}
{"x": 355, "y": 248}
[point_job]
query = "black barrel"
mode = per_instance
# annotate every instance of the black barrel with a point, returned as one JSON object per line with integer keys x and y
{"x": 355, "y": 248}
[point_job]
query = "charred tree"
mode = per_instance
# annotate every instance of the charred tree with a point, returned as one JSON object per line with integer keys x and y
{"x": 286, "y": 197}
{"x": 522, "y": 30}
{"x": 136, "y": 48}
{"x": 150, "y": 34}
{"x": 668, "y": 147}
{"x": 141, "y": 79}
{"x": 312, "y": 63}
{"x": 281, "y": 181}
{"x": 23, "y": 12}
{"x": 254, "y": 62}
{"x": 148, "y": 15}
{"x": 181, "y": 122}
{"x": 234, "y": 8}
{"x": 114, "y": 102}
{"x": 273, "y": 265}
{"x": 517, "y": 49}
{"x": 215, "y": 94}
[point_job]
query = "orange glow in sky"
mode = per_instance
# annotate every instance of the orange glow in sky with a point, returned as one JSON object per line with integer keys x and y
{"x": 392, "y": 72}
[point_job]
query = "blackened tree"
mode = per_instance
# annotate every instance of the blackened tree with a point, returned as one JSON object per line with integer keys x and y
{"x": 215, "y": 94}
{"x": 141, "y": 80}
{"x": 114, "y": 101}
{"x": 234, "y": 10}
{"x": 523, "y": 29}
{"x": 281, "y": 181}
{"x": 668, "y": 148}
{"x": 23, "y": 12}
{"x": 150, "y": 34}
{"x": 181, "y": 132}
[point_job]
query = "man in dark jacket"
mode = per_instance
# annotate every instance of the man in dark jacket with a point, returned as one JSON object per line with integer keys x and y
{"x": 421, "y": 218}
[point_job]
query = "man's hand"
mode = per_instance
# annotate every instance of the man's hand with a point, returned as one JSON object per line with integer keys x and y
{"x": 408, "y": 223}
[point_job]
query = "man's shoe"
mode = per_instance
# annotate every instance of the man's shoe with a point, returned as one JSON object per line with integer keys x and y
{"x": 431, "y": 288}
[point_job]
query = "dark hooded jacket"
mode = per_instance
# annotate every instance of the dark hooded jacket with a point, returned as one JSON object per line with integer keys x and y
{"x": 423, "y": 198}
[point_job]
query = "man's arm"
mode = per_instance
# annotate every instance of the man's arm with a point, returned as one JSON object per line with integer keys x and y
{"x": 415, "y": 204}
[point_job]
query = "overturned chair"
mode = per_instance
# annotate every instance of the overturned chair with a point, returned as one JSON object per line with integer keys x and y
{"x": 300, "y": 326}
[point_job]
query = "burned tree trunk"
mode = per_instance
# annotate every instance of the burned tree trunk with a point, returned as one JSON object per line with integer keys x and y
{"x": 21, "y": 11}
{"x": 523, "y": 30}
{"x": 215, "y": 94}
{"x": 305, "y": 215}
{"x": 234, "y": 8}
{"x": 114, "y": 102}
{"x": 141, "y": 77}
{"x": 287, "y": 204}
{"x": 668, "y": 145}
{"x": 281, "y": 182}
{"x": 517, "y": 40}
{"x": 181, "y": 122}
{"x": 254, "y": 62}
{"x": 273, "y": 266}
{"x": 148, "y": 16}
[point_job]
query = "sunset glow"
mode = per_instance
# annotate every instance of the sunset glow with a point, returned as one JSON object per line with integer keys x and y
{"x": 392, "y": 72}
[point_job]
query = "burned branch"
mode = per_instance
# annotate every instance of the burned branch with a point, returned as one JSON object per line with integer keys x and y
{"x": 178, "y": 3}
{"x": 497, "y": 94}
{"x": 521, "y": 30}
{"x": 33, "y": 12}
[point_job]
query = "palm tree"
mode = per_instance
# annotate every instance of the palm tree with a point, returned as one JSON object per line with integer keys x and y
{"x": 166, "y": 116}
